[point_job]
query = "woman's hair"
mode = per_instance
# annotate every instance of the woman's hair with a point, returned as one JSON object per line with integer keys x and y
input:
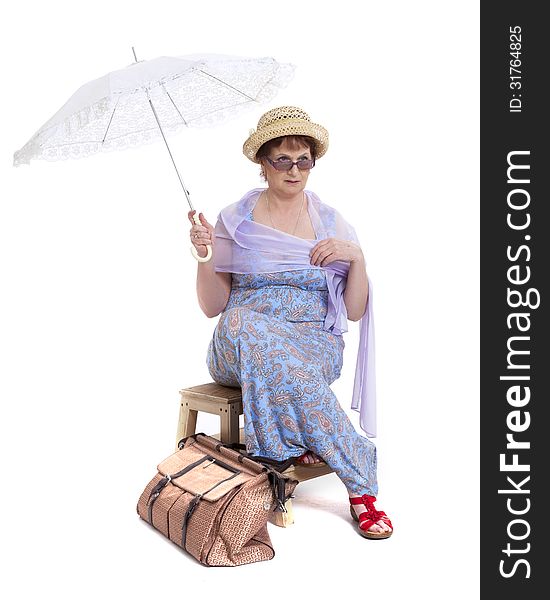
{"x": 294, "y": 141}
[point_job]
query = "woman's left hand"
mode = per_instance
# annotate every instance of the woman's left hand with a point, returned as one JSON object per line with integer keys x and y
{"x": 331, "y": 250}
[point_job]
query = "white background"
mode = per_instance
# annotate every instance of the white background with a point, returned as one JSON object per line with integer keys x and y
{"x": 100, "y": 328}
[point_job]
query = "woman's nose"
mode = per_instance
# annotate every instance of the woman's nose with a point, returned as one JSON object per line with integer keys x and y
{"x": 294, "y": 169}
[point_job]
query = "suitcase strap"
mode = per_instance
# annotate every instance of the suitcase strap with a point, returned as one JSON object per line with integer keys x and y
{"x": 155, "y": 492}
{"x": 275, "y": 469}
{"x": 195, "y": 502}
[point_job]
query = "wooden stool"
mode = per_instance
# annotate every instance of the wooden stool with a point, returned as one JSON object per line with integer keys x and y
{"x": 227, "y": 402}
{"x": 213, "y": 399}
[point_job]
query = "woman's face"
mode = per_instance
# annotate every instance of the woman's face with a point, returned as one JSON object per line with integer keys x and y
{"x": 293, "y": 181}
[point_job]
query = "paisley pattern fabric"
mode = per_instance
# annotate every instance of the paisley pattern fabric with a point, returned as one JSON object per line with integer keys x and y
{"x": 270, "y": 341}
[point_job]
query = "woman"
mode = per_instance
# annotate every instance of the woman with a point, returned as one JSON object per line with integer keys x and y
{"x": 287, "y": 272}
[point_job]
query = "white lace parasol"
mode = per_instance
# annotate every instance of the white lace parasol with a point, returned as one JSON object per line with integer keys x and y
{"x": 149, "y": 99}
{"x": 114, "y": 111}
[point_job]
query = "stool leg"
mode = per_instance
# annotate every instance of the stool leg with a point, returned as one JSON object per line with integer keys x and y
{"x": 230, "y": 425}
{"x": 187, "y": 422}
{"x": 282, "y": 519}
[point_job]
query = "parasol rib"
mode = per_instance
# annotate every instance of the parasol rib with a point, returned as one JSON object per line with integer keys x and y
{"x": 110, "y": 121}
{"x": 227, "y": 85}
{"x": 174, "y": 105}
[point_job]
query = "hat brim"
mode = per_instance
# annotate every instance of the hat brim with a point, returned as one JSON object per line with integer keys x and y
{"x": 286, "y": 127}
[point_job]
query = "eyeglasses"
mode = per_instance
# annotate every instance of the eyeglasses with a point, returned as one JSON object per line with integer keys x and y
{"x": 285, "y": 164}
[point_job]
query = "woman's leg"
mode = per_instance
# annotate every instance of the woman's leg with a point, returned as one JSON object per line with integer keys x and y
{"x": 288, "y": 405}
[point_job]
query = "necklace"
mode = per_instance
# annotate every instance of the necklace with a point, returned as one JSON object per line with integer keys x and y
{"x": 297, "y": 220}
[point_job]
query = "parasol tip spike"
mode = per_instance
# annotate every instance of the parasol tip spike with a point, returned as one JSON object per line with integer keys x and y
{"x": 134, "y": 52}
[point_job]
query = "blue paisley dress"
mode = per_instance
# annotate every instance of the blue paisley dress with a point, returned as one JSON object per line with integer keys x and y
{"x": 270, "y": 341}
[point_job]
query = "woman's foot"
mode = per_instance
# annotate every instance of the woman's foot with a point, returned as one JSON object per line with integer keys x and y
{"x": 373, "y": 524}
{"x": 309, "y": 459}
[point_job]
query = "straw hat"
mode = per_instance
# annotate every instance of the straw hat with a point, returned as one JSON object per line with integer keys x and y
{"x": 285, "y": 120}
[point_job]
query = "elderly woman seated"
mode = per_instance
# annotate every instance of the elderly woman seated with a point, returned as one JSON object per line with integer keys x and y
{"x": 286, "y": 274}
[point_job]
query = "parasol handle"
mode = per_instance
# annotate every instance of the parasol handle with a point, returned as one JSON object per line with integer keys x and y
{"x": 194, "y": 252}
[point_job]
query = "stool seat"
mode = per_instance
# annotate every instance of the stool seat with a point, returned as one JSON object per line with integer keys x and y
{"x": 226, "y": 402}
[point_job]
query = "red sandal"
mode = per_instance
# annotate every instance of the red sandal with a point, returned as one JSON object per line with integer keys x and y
{"x": 319, "y": 463}
{"x": 370, "y": 517}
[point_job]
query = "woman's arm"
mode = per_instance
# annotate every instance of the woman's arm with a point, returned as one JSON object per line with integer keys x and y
{"x": 356, "y": 293}
{"x": 357, "y": 288}
{"x": 213, "y": 288}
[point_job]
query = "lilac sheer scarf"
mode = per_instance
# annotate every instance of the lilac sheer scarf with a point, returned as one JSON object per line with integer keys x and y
{"x": 244, "y": 246}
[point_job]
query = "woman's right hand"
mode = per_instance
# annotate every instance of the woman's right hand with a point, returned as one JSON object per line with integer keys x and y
{"x": 201, "y": 235}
